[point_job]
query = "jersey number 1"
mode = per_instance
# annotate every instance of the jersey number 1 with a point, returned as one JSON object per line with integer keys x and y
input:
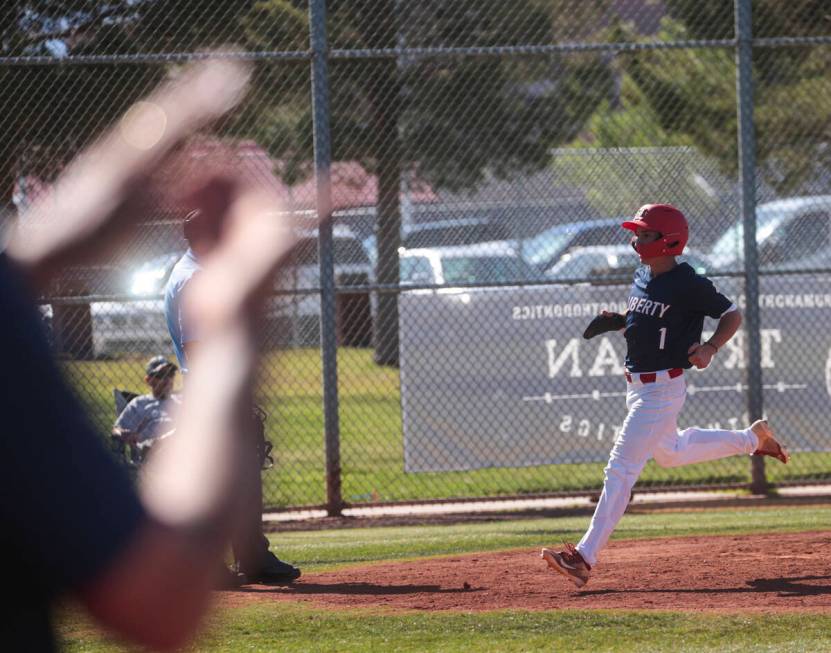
{"x": 663, "y": 339}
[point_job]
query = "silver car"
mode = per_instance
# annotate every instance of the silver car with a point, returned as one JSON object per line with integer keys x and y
{"x": 138, "y": 325}
{"x": 483, "y": 263}
{"x": 792, "y": 231}
{"x": 605, "y": 263}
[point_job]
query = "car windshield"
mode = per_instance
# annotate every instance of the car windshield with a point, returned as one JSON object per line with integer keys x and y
{"x": 730, "y": 246}
{"x": 348, "y": 251}
{"x": 416, "y": 270}
{"x": 546, "y": 245}
{"x": 581, "y": 266}
{"x": 446, "y": 235}
{"x": 484, "y": 269}
{"x": 588, "y": 265}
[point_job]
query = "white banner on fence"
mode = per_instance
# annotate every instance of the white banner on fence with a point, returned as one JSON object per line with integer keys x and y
{"x": 502, "y": 377}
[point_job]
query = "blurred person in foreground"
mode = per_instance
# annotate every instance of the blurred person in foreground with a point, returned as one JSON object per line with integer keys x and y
{"x": 142, "y": 565}
{"x": 254, "y": 562}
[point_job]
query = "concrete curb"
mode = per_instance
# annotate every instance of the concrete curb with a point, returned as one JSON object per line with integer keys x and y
{"x": 653, "y": 500}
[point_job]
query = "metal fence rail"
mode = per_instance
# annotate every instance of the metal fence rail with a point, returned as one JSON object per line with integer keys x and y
{"x": 403, "y": 359}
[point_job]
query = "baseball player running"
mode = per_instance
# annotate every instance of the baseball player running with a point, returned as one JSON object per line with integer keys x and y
{"x": 662, "y": 327}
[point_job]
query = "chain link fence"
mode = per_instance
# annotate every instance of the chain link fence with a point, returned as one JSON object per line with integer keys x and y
{"x": 477, "y": 158}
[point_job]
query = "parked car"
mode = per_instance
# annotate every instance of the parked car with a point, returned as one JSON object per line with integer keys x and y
{"x": 492, "y": 262}
{"x": 789, "y": 232}
{"x": 137, "y": 325}
{"x": 115, "y": 328}
{"x": 601, "y": 264}
{"x": 444, "y": 233}
{"x": 129, "y": 327}
{"x": 545, "y": 249}
{"x": 298, "y": 312}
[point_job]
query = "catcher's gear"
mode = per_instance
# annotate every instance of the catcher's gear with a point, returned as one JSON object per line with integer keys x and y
{"x": 603, "y": 323}
{"x": 264, "y": 446}
{"x": 665, "y": 219}
{"x": 133, "y": 455}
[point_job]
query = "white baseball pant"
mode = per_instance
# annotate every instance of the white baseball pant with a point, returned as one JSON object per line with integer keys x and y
{"x": 651, "y": 430}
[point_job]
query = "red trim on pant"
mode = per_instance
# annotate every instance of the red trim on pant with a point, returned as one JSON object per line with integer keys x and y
{"x": 651, "y": 377}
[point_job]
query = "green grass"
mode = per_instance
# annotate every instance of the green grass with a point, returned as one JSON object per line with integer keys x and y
{"x": 285, "y": 628}
{"x": 372, "y": 442}
{"x": 282, "y": 626}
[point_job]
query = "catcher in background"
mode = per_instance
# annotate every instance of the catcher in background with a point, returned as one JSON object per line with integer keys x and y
{"x": 149, "y": 416}
{"x": 662, "y": 326}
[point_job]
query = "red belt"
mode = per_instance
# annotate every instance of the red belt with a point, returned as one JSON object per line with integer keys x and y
{"x": 650, "y": 377}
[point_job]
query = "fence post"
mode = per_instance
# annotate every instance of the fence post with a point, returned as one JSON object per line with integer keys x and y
{"x": 747, "y": 200}
{"x": 328, "y": 334}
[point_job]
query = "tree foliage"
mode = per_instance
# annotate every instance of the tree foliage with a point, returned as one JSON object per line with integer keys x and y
{"x": 49, "y": 112}
{"x": 450, "y": 121}
{"x": 692, "y": 93}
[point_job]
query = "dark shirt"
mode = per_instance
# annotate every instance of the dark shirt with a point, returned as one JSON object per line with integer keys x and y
{"x": 67, "y": 508}
{"x": 665, "y": 316}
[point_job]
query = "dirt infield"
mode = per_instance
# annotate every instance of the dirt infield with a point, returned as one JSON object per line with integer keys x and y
{"x": 783, "y": 572}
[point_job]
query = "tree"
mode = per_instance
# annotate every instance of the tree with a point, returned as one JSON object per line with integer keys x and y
{"x": 40, "y": 120}
{"x": 449, "y": 121}
{"x": 54, "y": 110}
{"x": 48, "y": 113}
{"x": 693, "y": 92}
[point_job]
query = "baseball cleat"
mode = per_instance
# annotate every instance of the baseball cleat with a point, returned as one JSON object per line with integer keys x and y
{"x": 569, "y": 563}
{"x": 768, "y": 445}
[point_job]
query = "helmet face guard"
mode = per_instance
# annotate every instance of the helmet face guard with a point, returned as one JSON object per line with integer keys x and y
{"x": 666, "y": 220}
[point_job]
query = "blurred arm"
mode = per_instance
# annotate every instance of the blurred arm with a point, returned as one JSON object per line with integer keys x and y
{"x": 195, "y": 489}
{"x": 107, "y": 188}
{"x": 155, "y": 583}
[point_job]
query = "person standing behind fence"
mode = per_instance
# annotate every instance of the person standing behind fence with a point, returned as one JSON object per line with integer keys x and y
{"x": 142, "y": 566}
{"x": 203, "y": 230}
{"x": 662, "y": 326}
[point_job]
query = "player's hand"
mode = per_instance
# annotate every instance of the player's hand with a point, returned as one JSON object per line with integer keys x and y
{"x": 238, "y": 273}
{"x": 700, "y": 355}
{"x": 113, "y": 184}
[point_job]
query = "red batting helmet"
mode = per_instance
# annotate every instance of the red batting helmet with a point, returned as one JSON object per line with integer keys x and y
{"x": 665, "y": 219}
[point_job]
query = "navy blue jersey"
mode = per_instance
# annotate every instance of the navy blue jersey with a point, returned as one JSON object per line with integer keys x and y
{"x": 67, "y": 508}
{"x": 665, "y": 316}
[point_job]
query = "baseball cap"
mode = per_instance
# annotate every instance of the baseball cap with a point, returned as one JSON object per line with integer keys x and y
{"x": 159, "y": 366}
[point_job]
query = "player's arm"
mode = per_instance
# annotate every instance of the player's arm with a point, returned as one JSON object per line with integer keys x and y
{"x": 725, "y": 330}
{"x": 188, "y": 332}
{"x": 199, "y": 488}
{"x": 702, "y": 353}
{"x": 109, "y": 188}
{"x": 128, "y": 421}
{"x": 156, "y": 583}
{"x": 125, "y": 435}
{"x": 189, "y": 346}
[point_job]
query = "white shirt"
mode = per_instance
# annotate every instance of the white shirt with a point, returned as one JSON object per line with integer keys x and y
{"x": 182, "y": 272}
{"x": 148, "y": 417}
